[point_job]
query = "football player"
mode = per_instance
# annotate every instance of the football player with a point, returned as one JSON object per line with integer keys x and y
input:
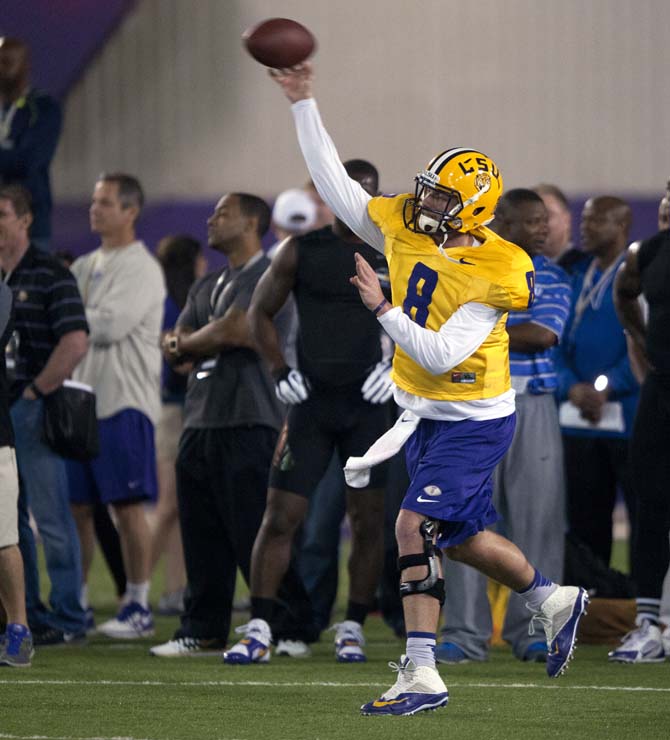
{"x": 453, "y": 282}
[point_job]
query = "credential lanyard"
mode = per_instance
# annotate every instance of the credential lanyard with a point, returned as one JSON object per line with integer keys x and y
{"x": 225, "y": 282}
{"x": 593, "y": 293}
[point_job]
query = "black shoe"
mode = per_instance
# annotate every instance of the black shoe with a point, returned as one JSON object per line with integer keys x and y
{"x": 52, "y": 636}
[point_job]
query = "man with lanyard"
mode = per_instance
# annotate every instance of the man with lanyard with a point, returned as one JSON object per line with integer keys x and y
{"x": 231, "y": 423}
{"x": 30, "y": 124}
{"x": 597, "y": 390}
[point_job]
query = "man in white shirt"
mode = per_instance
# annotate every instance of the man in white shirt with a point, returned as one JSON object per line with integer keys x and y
{"x": 123, "y": 289}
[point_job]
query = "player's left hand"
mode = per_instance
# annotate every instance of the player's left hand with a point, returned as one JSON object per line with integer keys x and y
{"x": 368, "y": 285}
{"x": 378, "y": 386}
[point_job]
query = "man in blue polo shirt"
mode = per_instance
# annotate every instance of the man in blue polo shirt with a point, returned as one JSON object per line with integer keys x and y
{"x": 529, "y": 489}
{"x": 598, "y": 391}
{"x": 50, "y": 338}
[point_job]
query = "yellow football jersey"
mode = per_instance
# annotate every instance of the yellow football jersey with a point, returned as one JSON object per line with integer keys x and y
{"x": 431, "y": 287}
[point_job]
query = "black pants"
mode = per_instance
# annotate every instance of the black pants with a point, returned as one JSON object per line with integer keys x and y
{"x": 650, "y": 463}
{"x": 222, "y": 478}
{"x": 594, "y": 467}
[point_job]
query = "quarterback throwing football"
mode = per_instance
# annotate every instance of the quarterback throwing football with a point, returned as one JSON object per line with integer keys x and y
{"x": 453, "y": 282}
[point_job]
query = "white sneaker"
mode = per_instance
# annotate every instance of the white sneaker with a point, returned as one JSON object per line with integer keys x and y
{"x": 187, "y": 646}
{"x": 349, "y": 642}
{"x": 560, "y": 615}
{"x": 132, "y": 622}
{"x": 254, "y": 647}
{"x": 293, "y": 648}
{"x": 643, "y": 645}
{"x": 416, "y": 689}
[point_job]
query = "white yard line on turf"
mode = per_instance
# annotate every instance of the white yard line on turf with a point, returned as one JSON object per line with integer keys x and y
{"x": 4, "y": 736}
{"x": 319, "y": 684}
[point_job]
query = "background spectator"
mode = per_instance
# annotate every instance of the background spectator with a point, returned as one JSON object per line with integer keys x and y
{"x": 16, "y": 646}
{"x": 183, "y": 263}
{"x": 231, "y": 421}
{"x": 558, "y": 246}
{"x": 646, "y": 272}
{"x": 124, "y": 290}
{"x": 48, "y": 342}
{"x": 30, "y": 125}
{"x": 596, "y": 386}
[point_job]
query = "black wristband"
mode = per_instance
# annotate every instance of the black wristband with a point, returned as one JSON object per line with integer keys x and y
{"x": 375, "y": 311}
{"x": 33, "y": 387}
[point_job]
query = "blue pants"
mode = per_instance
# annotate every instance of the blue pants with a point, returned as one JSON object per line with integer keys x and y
{"x": 318, "y": 560}
{"x": 44, "y": 487}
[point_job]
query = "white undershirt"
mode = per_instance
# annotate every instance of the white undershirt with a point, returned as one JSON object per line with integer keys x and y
{"x": 437, "y": 351}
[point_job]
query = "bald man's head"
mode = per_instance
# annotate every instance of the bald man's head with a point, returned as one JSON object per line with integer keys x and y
{"x": 14, "y": 67}
{"x": 605, "y": 224}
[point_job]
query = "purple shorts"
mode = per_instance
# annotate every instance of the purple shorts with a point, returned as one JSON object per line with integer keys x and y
{"x": 125, "y": 469}
{"x": 450, "y": 466}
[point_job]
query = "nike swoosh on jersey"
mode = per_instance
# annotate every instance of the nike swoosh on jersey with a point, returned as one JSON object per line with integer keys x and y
{"x": 460, "y": 261}
{"x": 427, "y": 500}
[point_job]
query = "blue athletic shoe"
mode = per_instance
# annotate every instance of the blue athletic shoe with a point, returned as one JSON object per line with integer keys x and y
{"x": 254, "y": 647}
{"x": 560, "y": 615}
{"x": 16, "y": 649}
{"x": 642, "y": 645}
{"x": 417, "y": 689}
{"x": 132, "y": 622}
{"x": 536, "y": 652}
{"x": 349, "y": 642}
{"x": 450, "y": 653}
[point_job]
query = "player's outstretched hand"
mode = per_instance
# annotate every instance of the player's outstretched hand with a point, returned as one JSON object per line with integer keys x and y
{"x": 367, "y": 282}
{"x": 296, "y": 82}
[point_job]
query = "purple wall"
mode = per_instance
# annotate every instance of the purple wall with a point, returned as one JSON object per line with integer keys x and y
{"x": 71, "y": 230}
{"x": 63, "y": 35}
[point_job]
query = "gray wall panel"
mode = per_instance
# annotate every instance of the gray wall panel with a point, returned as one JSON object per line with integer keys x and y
{"x": 575, "y": 92}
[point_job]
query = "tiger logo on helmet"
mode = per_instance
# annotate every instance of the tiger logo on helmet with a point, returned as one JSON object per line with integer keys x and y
{"x": 458, "y": 191}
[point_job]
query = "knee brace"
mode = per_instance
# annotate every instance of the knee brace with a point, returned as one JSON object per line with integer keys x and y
{"x": 432, "y": 584}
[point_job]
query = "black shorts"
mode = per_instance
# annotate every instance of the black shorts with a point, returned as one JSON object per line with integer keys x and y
{"x": 338, "y": 419}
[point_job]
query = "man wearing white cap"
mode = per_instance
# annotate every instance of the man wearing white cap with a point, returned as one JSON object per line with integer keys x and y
{"x": 294, "y": 212}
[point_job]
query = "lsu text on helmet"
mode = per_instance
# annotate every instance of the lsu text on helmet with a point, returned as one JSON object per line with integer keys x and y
{"x": 458, "y": 191}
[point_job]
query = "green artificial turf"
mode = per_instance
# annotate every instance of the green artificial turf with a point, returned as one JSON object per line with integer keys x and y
{"x": 111, "y": 689}
{"x": 116, "y": 690}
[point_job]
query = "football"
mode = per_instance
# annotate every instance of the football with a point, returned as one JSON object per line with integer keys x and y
{"x": 279, "y": 42}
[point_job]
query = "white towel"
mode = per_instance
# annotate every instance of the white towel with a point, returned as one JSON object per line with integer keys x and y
{"x": 357, "y": 469}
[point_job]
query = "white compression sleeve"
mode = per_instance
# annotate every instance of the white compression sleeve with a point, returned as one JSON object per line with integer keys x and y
{"x": 457, "y": 339}
{"x": 344, "y": 196}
